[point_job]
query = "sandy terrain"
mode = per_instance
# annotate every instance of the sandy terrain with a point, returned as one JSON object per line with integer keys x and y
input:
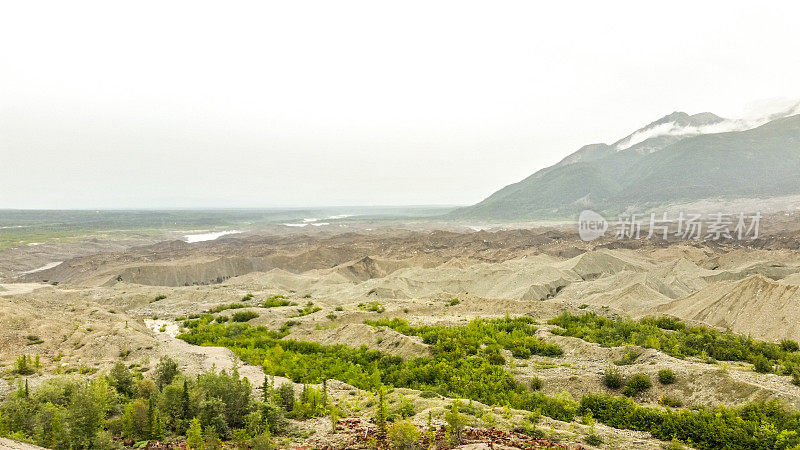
{"x": 104, "y": 310}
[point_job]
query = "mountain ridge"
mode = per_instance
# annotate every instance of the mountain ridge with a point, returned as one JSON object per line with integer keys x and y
{"x": 763, "y": 161}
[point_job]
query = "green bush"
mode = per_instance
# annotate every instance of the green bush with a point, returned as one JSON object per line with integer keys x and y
{"x": 612, "y": 378}
{"x": 220, "y": 308}
{"x": 310, "y": 308}
{"x": 789, "y": 345}
{"x": 594, "y": 440}
{"x": 243, "y": 316}
{"x": 672, "y": 402}
{"x": 403, "y": 435}
{"x": 762, "y": 365}
{"x": 666, "y": 376}
{"x": 638, "y": 383}
{"x": 275, "y": 301}
{"x": 23, "y": 365}
{"x": 372, "y": 307}
{"x": 536, "y": 383}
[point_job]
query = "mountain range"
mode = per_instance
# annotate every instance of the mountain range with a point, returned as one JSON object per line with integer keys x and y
{"x": 678, "y": 158}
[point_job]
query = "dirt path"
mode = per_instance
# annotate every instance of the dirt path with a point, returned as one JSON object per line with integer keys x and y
{"x": 19, "y": 288}
{"x": 14, "y": 445}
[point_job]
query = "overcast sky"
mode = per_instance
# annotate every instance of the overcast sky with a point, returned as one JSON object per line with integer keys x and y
{"x": 194, "y": 104}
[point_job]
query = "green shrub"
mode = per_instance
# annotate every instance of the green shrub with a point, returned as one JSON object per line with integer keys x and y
{"x": 372, "y": 307}
{"x": 243, "y": 316}
{"x": 276, "y": 301}
{"x": 220, "y": 308}
{"x": 628, "y": 358}
{"x": 428, "y": 394}
{"x": 672, "y": 402}
{"x": 23, "y": 365}
{"x": 310, "y": 308}
{"x": 594, "y": 440}
{"x": 638, "y": 383}
{"x": 612, "y": 378}
{"x": 674, "y": 338}
{"x": 158, "y": 298}
{"x": 789, "y": 345}
{"x": 403, "y": 435}
{"x": 666, "y": 376}
{"x": 761, "y": 364}
{"x": 536, "y": 383}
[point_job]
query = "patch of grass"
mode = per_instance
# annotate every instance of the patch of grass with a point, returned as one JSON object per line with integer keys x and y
{"x": 158, "y": 298}
{"x": 594, "y": 440}
{"x": 310, "y": 308}
{"x": 372, "y": 307}
{"x": 221, "y": 308}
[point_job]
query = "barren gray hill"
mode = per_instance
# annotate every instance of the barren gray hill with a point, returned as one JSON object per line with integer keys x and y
{"x": 678, "y": 158}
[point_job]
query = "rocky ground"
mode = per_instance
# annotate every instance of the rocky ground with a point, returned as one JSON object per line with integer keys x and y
{"x": 104, "y": 308}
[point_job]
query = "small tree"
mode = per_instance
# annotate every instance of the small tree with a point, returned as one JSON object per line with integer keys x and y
{"x": 262, "y": 442}
{"x": 121, "y": 379}
{"x": 166, "y": 370}
{"x": 286, "y": 394}
{"x": 333, "y": 413}
{"x": 403, "y": 435}
{"x": 380, "y": 415}
{"x": 455, "y": 421}
{"x": 267, "y": 388}
{"x": 194, "y": 436}
{"x": 22, "y": 365}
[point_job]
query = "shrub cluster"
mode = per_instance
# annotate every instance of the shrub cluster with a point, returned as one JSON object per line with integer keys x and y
{"x": 674, "y": 338}
{"x": 459, "y": 366}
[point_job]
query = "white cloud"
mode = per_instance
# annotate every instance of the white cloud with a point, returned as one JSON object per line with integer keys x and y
{"x": 758, "y": 113}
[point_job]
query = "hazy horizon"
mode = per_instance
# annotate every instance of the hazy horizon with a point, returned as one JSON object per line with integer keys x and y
{"x": 187, "y": 106}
